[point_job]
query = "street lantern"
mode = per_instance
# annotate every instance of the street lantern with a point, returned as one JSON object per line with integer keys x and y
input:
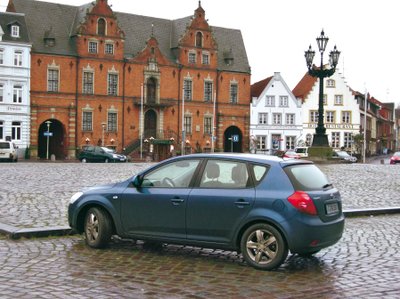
{"x": 103, "y": 125}
{"x": 48, "y": 137}
{"x": 320, "y": 138}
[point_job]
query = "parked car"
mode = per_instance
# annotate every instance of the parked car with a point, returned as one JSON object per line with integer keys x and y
{"x": 302, "y": 151}
{"x": 395, "y": 159}
{"x": 343, "y": 156}
{"x": 291, "y": 154}
{"x": 261, "y": 206}
{"x": 100, "y": 154}
{"x": 8, "y": 151}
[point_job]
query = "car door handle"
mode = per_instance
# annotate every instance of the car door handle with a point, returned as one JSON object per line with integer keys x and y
{"x": 177, "y": 201}
{"x": 242, "y": 202}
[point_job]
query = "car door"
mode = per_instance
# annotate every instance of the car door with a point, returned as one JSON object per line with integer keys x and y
{"x": 157, "y": 208}
{"x": 222, "y": 199}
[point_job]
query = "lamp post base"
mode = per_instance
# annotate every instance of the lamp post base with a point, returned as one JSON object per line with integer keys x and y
{"x": 320, "y": 140}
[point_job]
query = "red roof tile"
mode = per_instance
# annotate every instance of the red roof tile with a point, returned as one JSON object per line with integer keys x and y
{"x": 304, "y": 87}
{"x": 258, "y": 87}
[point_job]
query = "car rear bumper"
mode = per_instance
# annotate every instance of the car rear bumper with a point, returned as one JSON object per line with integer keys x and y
{"x": 309, "y": 234}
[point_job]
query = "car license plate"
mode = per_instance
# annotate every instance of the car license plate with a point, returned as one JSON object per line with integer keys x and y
{"x": 332, "y": 208}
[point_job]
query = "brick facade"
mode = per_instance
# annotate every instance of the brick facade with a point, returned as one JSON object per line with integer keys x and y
{"x": 102, "y": 49}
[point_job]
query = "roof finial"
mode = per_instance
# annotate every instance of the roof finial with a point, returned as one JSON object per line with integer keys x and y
{"x": 152, "y": 30}
{"x": 199, "y": 3}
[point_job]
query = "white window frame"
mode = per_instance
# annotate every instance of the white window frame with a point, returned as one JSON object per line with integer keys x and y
{"x": 208, "y": 124}
{"x": 55, "y": 84}
{"x": 276, "y": 118}
{"x": 16, "y": 130}
{"x": 188, "y": 89}
{"x": 192, "y": 57}
{"x": 205, "y": 58}
{"x": 187, "y": 123}
{"x": 93, "y": 47}
{"x": 208, "y": 91}
{"x": 335, "y": 139}
{"x": 109, "y": 48}
{"x": 112, "y": 84}
{"x": 330, "y": 117}
{"x": 233, "y": 92}
{"x": 313, "y": 116}
{"x": 290, "y": 118}
{"x": 346, "y": 117}
{"x": 338, "y": 100}
{"x": 15, "y": 31}
{"x": 262, "y": 142}
{"x": 18, "y": 57}
{"x": 1, "y": 56}
{"x": 87, "y": 126}
{"x": 1, "y": 129}
{"x": 1, "y": 93}
{"x": 262, "y": 118}
{"x": 112, "y": 122}
{"x": 283, "y": 101}
{"x": 87, "y": 86}
{"x": 270, "y": 101}
{"x": 17, "y": 94}
{"x": 347, "y": 139}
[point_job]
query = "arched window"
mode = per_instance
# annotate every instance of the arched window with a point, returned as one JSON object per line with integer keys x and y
{"x": 199, "y": 39}
{"x": 151, "y": 90}
{"x": 101, "y": 27}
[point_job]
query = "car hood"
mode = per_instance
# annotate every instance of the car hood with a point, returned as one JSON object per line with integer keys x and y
{"x": 99, "y": 188}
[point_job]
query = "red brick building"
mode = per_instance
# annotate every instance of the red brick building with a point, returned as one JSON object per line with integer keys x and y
{"x": 104, "y": 77}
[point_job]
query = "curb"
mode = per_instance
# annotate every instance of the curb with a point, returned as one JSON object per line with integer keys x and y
{"x": 15, "y": 233}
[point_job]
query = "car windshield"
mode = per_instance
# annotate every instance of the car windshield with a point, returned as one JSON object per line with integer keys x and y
{"x": 396, "y": 154}
{"x": 302, "y": 150}
{"x": 107, "y": 150}
{"x": 342, "y": 154}
{"x": 307, "y": 177}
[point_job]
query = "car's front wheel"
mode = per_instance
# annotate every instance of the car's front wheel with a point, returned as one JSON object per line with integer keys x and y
{"x": 263, "y": 247}
{"x": 98, "y": 228}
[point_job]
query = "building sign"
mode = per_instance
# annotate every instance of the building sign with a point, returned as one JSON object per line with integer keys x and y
{"x": 337, "y": 126}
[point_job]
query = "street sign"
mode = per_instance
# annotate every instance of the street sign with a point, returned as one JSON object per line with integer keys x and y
{"x": 235, "y": 138}
{"x": 49, "y": 134}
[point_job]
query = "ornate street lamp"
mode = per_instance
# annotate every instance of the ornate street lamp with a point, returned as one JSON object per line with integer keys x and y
{"x": 320, "y": 138}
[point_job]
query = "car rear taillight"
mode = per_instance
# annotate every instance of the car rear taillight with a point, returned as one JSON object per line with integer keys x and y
{"x": 303, "y": 202}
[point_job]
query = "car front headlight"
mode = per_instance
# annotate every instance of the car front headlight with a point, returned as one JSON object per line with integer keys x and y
{"x": 75, "y": 197}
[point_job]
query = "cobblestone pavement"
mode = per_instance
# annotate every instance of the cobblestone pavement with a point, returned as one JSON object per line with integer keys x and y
{"x": 364, "y": 264}
{"x": 36, "y": 195}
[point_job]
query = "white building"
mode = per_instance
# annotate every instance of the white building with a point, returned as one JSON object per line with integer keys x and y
{"x": 341, "y": 110}
{"x": 275, "y": 116}
{"x": 15, "y": 65}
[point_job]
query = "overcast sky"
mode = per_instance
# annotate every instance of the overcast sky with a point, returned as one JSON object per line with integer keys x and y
{"x": 276, "y": 34}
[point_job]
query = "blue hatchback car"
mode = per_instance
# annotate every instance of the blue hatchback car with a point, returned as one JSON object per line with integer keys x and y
{"x": 261, "y": 206}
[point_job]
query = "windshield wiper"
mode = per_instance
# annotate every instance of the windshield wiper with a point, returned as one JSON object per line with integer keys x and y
{"x": 327, "y": 185}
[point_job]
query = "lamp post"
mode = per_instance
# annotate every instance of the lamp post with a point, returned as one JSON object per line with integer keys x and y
{"x": 320, "y": 138}
{"x": 48, "y": 136}
{"x": 103, "y": 126}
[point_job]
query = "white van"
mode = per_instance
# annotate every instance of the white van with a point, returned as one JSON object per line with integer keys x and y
{"x": 8, "y": 151}
{"x": 302, "y": 151}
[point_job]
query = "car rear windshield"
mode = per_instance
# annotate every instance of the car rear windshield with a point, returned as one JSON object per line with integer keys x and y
{"x": 301, "y": 150}
{"x": 307, "y": 177}
{"x": 4, "y": 145}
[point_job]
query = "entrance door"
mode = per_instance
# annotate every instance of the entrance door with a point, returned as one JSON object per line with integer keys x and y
{"x": 150, "y": 124}
{"x": 51, "y": 132}
{"x": 233, "y": 140}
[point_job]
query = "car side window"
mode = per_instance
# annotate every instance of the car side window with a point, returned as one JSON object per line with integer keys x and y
{"x": 172, "y": 175}
{"x": 259, "y": 172}
{"x": 224, "y": 174}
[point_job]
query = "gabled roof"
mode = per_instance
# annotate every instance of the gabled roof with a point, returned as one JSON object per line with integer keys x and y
{"x": 6, "y": 20}
{"x": 304, "y": 87}
{"x": 258, "y": 87}
{"x": 65, "y": 21}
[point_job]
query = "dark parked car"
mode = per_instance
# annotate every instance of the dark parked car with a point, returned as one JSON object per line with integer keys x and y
{"x": 258, "y": 205}
{"x": 343, "y": 156}
{"x": 395, "y": 159}
{"x": 100, "y": 154}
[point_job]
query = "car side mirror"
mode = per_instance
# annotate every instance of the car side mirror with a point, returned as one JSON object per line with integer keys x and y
{"x": 137, "y": 181}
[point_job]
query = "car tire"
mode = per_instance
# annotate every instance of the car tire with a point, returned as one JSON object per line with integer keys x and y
{"x": 308, "y": 254}
{"x": 83, "y": 160}
{"x": 98, "y": 228}
{"x": 263, "y": 247}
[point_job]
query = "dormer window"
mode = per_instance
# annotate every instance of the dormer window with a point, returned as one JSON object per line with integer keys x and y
{"x": 15, "y": 31}
{"x": 199, "y": 39}
{"x": 101, "y": 27}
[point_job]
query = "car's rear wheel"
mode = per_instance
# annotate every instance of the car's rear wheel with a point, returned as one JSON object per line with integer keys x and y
{"x": 263, "y": 247}
{"x": 106, "y": 160}
{"x": 98, "y": 228}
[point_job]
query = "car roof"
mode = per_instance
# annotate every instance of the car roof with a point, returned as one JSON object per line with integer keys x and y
{"x": 255, "y": 158}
